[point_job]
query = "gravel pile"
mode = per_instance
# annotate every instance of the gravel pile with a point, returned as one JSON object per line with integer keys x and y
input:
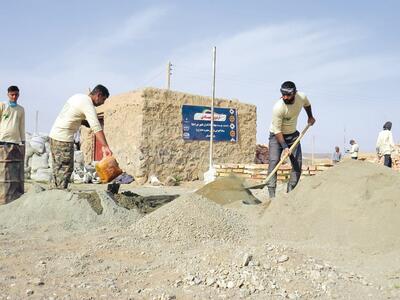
{"x": 226, "y": 190}
{"x": 57, "y": 209}
{"x": 193, "y": 218}
{"x": 354, "y": 205}
{"x": 277, "y": 272}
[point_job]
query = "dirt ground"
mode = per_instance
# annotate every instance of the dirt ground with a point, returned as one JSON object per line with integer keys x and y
{"x": 54, "y": 245}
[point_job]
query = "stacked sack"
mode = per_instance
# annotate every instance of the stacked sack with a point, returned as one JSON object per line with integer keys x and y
{"x": 38, "y": 162}
{"x": 38, "y": 157}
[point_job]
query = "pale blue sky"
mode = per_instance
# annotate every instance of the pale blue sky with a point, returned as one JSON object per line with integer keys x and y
{"x": 343, "y": 54}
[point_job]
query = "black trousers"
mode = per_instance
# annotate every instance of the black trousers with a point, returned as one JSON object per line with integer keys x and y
{"x": 275, "y": 152}
{"x": 387, "y": 160}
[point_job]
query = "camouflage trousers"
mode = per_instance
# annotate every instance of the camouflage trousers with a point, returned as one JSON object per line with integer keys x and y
{"x": 62, "y": 154}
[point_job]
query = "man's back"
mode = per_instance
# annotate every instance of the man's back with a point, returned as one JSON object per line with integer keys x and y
{"x": 77, "y": 108}
{"x": 354, "y": 150}
{"x": 385, "y": 143}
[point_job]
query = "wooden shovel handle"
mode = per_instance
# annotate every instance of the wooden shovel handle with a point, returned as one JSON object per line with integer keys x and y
{"x": 284, "y": 157}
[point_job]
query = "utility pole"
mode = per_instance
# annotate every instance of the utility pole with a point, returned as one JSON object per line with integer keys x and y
{"x": 36, "y": 121}
{"x": 212, "y": 108}
{"x": 169, "y": 73}
{"x": 313, "y": 149}
{"x": 210, "y": 175}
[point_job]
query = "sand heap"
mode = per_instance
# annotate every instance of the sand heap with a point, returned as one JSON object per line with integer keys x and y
{"x": 193, "y": 218}
{"x": 355, "y": 204}
{"x": 53, "y": 209}
{"x": 226, "y": 190}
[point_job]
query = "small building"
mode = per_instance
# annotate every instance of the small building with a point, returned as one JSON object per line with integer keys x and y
{"x": 146, "y": 132}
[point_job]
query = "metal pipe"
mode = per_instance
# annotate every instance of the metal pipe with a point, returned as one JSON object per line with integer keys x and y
{"x": 212, "y": 108}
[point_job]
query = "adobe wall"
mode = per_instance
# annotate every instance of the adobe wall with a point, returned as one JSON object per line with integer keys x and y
{"x": 144, "y": 130}
{"x": 87, "y": 144}
{"x": 168, "y": 154}
{"x": 122, "y": 127}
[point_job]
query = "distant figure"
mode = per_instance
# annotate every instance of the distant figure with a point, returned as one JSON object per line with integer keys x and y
{"x": 354, "y": 149}
{"x": 385, "y": 144}
{"x": 336, "y": 156}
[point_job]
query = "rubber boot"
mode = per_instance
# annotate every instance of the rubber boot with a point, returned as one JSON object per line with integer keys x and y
{"x": 271, "y": 192}
{"x": 290, "y": 187}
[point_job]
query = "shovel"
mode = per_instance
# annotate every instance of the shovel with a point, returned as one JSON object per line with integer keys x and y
{"x": 296, "y": 142}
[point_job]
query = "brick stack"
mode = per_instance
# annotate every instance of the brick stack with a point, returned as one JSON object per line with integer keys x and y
{"x": 258, "y": 172}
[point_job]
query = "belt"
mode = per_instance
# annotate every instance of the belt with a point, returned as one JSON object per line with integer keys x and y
{"x": 8, "y": 144}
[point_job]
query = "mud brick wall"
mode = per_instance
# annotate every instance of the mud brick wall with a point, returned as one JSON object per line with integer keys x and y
{"x": 144, "y": 130}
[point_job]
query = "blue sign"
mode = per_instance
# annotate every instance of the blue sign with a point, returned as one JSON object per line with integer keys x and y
{"x": 196, "y": 123}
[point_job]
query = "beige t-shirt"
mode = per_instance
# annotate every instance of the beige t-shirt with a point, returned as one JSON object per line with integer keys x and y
{"x": 78, "y": 108}
{"x": 284, "y": 116}
{"x": 12, "y": 123}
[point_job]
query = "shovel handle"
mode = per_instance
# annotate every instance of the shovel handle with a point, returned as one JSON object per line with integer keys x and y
{"x": 284, "y": 157}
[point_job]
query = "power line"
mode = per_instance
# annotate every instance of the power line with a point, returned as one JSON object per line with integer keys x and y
{"x": 341, "y": 97}
{"x": 152, "y": 79}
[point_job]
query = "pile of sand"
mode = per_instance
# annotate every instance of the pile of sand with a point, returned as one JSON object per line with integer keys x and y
{"x": 193, "y": 218}
{"x": 355, "y": 204}
{"x": 53, "y": 209}
{"x": 226, "y": 190}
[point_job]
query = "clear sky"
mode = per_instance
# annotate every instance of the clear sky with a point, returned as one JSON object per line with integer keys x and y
{"x": 345, "y": 55}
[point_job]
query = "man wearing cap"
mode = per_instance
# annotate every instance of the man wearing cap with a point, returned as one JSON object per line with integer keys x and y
{"x": 283, "y": 133}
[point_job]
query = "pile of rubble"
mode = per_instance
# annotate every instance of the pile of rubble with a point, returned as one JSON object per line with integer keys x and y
{"x": 274, "y": 271}
{"x": 262, "y": 154}
{"x": 193, "y": 218}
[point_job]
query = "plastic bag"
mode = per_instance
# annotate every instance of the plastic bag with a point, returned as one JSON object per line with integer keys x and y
{"x": 107, "y": 169}
{"x": 42, "y": 175}
{"x": 38, "y": 144}
{"x": 39, "y": 162}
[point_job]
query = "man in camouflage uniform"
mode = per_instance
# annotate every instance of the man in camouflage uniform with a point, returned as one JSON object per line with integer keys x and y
{"x": 62, "y": 154}
{"x": 12, "y": 147}
{"x": 78, "y": 108}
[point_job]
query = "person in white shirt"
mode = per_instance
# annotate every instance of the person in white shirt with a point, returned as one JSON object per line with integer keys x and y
{"x": 283, "y": 133}
{"x": 336, "y": 156}
{"x": 79, "y": 107}
{"x": 354, "y": 149}
{"x": 385, "y": 144}
{"x": 12, "y": 144}
{"x": 12, "y": 121}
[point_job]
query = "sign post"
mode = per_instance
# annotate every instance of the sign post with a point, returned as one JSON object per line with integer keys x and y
{"x": 211, "y": 173}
